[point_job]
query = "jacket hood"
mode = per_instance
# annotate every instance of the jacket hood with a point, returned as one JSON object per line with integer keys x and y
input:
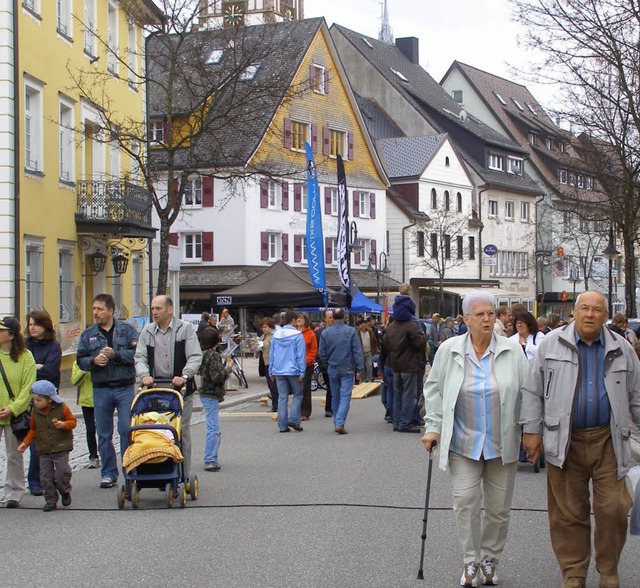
{"x": 404, "y": 309}
{"x": 286, "y": 336}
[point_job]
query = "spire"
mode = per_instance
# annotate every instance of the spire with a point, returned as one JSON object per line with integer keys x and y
{"x": 386, "y": 36}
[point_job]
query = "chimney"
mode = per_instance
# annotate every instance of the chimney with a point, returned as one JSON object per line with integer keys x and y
{"x": 409, "y": 46}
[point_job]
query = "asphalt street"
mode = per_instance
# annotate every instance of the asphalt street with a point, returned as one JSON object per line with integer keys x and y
{"x": 298, "y": 509}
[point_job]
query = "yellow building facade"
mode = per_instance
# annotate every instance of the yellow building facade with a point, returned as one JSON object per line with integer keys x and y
{"x": 74, "y": 221}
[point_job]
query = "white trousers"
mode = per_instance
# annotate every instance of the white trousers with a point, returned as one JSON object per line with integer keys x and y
{"x": 482, "y": 534}
{"x": 14, "y": 485}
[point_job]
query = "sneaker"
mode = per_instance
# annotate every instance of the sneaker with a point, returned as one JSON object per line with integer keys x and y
{"x": 341, "y": 431}
{"x": 12, "y": 504}
{"x": 294, "y": 426}
{"x": 107, "y": 483}
{"x": 212, "y": 466}
{"x": 66, "y": 499}
{"x": 94, "y": 463}
{"x": 470, "y": 575}
{"x": 488, "y": 572}
{"x": 49, "y": 507}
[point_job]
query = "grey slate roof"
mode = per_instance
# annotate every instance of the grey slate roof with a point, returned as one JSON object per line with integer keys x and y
{"x": 242, "y": 110}
{"x": 405, "y": 157}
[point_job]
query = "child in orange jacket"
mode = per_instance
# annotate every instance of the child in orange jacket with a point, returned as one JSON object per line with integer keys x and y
{"x": 51, "y": 428}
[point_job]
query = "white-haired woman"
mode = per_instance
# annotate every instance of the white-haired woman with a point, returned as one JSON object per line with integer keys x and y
{"x": 472, "y": 397}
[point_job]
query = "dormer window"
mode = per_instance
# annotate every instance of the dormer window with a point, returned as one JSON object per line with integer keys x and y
{"x": 562, "y": 176}
{"x": 496, "y": 162}
{"x": 515, "y": 166}
{"x": 549, "y": 143}
{"x": 533, "y": 139}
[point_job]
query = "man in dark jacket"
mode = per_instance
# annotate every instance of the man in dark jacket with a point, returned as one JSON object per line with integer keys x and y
{"x": 405, "y": 341}
{"x": 106, "y": 350}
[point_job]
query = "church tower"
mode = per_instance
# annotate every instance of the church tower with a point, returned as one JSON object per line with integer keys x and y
{"x": 216, "y": 13}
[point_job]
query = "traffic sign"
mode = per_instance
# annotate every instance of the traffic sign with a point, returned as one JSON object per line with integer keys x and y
{"x": 490, "y": 249}
{"x": 489, "y": 261}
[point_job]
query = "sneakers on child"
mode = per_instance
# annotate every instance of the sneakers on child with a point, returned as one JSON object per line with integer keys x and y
{"x": 212, "y": 466}
{"x": 66, "y": 499}
{"x": 94, "y": 463}
{"x": 488, "y": 572}
{"x": 470, "y": 575}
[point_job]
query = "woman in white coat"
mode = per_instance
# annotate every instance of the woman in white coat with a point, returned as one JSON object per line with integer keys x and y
{"x": 527, "y": 334}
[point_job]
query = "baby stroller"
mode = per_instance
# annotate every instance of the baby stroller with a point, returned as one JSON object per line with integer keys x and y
{"x": 154, "y": 458}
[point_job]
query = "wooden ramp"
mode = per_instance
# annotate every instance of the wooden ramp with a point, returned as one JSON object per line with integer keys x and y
{"x": 365, "y": 389}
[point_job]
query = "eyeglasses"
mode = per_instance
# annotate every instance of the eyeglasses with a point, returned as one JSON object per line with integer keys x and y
{"x": 482, "y": 315}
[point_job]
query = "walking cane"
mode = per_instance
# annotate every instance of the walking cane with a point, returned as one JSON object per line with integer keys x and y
{"x": 425, "y": 517}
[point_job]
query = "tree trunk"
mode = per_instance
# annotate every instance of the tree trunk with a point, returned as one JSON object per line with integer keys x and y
{"x": 163, "y": 262}
{"x": 628, "y": 239}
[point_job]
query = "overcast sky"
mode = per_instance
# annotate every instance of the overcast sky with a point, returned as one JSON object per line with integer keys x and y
{"x": 476, "y": 32}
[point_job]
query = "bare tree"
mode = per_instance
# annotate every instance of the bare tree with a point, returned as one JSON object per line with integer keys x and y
{"x": 443, "y": 250}
{"x": 592, "y": 48}
{"x": 210, "y": 97}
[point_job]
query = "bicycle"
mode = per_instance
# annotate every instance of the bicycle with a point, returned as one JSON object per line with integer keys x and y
{"x": 238, "y": 372}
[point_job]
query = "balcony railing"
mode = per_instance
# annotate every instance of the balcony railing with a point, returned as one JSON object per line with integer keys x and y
{"x": 113, "y": 201}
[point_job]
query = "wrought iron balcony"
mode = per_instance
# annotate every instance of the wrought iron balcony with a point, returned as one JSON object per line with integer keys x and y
{"x": 114, "y": 206}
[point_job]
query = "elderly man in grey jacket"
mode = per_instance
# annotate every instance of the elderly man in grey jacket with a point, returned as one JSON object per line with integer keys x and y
{"x": 582, "y": 388}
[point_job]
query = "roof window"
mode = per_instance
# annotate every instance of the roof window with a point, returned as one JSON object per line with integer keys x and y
{"x": 502, "y": 100}
{"x": 214, "y": 57}
{"x": 399, "y": 74}
{"x": 518, "y": 104}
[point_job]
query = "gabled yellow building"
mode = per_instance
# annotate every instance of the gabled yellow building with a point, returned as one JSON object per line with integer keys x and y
{"x": 73, "y": 221}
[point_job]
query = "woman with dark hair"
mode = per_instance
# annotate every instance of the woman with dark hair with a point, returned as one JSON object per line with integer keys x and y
{"x": 311, "y": 345}
{"x": 527, "y": 334}
{"x": 41, "y": 341}
{"x": 268, "y": 327}
{"x": 214, "y": 371}
{"x": 20, "y": 370}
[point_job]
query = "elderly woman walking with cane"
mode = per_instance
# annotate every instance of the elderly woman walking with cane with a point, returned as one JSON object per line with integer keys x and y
{"x": 472, "y": 399}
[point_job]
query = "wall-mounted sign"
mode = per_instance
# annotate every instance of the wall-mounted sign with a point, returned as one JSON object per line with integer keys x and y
{"x": 490, "y": 249}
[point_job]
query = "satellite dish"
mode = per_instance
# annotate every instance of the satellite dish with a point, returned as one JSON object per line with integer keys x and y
{"x": 463, "y": 115}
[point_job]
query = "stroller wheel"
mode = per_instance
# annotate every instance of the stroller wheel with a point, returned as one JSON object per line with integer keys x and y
{"x": 193, "y": 488}
{"x": 135, "y": 496}
{"x": 121, "y": 497}
{"x": 183, "y": 496}
{"x": 314, "y": 384}
{"x": 168, "y": 495}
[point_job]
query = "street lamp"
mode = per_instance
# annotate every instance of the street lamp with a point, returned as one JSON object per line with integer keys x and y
{"x": 379, "y": 268}
{"x": 354, "y": 246}
{"x": 610, "y": 253}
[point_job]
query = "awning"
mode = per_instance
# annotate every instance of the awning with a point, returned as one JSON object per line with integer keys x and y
{"x": 462, "y": 291}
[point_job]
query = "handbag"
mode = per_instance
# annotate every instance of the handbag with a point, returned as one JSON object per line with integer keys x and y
{"x": 19, "y": 424}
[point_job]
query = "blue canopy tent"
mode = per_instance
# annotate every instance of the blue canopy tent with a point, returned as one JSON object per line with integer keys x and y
{"x": 359, "y": 303}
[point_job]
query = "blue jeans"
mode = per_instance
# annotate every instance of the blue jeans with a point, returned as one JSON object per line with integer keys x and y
{"x": 105, "y": 401}
{"x": 341, "y": 387}
{"x": 404, "y": 399}
{"x": 286, "y": 385}
{"x": 212, "y": 436}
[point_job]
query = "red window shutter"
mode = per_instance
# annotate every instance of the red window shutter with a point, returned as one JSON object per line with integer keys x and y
{"x": 372, "y": 205}
{"x": 207, "y": 246}
{"x": 314, "y": 138}
{"x": 327, "y": 200}
{"x": 326, "y": 81}
{"x": 374, "y": 249}
{"x": 285, "y": 247}
{"x": 357, "y": 256}
{"x": 328, "y": 250}
{"x": 264, "y": 192}
{"x": 287, "y": 133}
{"x": 173, "y": 239}
{"x": 326, "y": 147}
{"x": 297, "y": 248}
{"x": 285, "y": 195}
{"x": 312, "y": 77}
{"x": 297, "y": 197}
{"x": 207, "y": 192}
{"x": 264, "y": 246}
{"x": 356, "y": 203}
{"x": 350, "y": 146}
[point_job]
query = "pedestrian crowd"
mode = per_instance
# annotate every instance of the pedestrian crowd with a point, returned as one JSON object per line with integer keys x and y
{"x": 502, "y": 387}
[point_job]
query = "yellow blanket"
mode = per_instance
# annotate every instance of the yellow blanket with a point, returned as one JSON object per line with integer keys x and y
{"x": 150, "y": 446}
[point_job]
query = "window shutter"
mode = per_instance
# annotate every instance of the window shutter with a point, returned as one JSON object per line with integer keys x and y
{"x": 285, "y": 195}
{"x": 287, "y": 133}
{"x": 327, "y": 200}
{"x": 297, "y": 197}
{"x": 356, "y": 203}
{"x": 207, "y": 192}
{"x": 326, "y": 81}
{"x": 374, "y": 249}
{"x": 297, "y": 248}
{"x": 285, "y": 247}
{"x": 326, "y": 147}
{"x": 372, "y": 205}
{"x": 312, "y": 77}
{"x": 207, "y": 246}
{"x": 357, "y": 256}
{"x": 264, "y": 193}
{"x": 349, "y": 146}
{"x": 264, "y": 246}
{"x": 173, "y": 239}
{"x": 314, "y": 138}
{"x": 328, "y": 249}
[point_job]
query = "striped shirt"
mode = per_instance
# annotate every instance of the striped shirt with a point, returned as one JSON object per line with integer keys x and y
{"x": 476, "y": 425}
{"x": 591, "y": 406}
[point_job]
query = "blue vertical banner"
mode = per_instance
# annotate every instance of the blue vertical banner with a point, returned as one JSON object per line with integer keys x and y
{"x": 342, "y": 252}
{"x": 314, "y": 240}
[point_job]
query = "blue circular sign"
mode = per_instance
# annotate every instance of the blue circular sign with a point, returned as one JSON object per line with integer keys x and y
{"x": 490, "y": 249}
